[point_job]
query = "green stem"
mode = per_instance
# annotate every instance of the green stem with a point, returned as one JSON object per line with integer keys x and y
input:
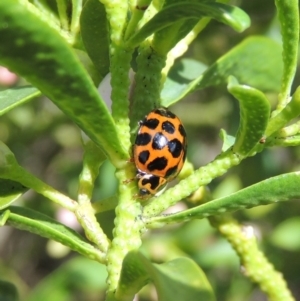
{"x": 255, "y": 265}
{"x": 120, "y": 66}
{"x": 289, "y": 112}
{"x": 186, "y": 187}
{"x": 93, "y": 231}
{"x": 281, "y": 188}
{"x": 24, "y": 177}
{"x": 93, "y": 158}
{"x": 127, "y": 231}
{"x": 182, "y": 46}
{"x": 10, "y": 169}
{"x": 153, "y": 8}
{"x": 4, "y": 216}
{"x": 288, "y": 14}
{"x": 137, "y": 11}
{"x": 120, "y": 57}
{"x": 284, "y": 141}
{"x": 62, "y": 12}
{"x": 76, "y": 11}
{"x": 116, "y": 11}
{"x": 146, "y": 94}
{"x": 288, "y": 131}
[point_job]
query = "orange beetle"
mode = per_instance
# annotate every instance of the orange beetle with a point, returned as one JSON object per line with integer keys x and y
{"x": 159, "y": 150}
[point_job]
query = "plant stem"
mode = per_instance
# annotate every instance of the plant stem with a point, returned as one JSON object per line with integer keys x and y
{"x": 27, "y": 179}
{"x": 76, "y": 11}
{"x": 62, "y": 12}
{"x": 127, "y": 231}
{"x": 186, "y": 187}
{"x": 255, "y": 265}
{"x": 120, "y": 66}
{"x": 146, "y": 94}
{"x": 182, "y": 46}
{"x": 93, "y": 158}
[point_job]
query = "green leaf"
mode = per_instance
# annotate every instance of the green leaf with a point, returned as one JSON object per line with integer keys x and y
{"x": 254, "y": 116}
{"x": 94, "y": 32}
{"x": 289, "y": 112}
{"x": 286, "y": 234}
{"x": 167, "y": 38}
{"x": 277, "y": 189}
{"x": 89, "y": 66}
{"x": 8, "y": 291}
{"x": 87, "y": 276}
{"x": 284, "y": 141}
{"x": 180, "y": 79}
{"x": 4, "y": 215}
{"x": 11, "y": 170}
{"x": 8, "y": 161}
{"x": 29, "y": 47}
{"x": 229, "y": 15}
{"x": 228, "y": 140}
{"x": 9, "y": 192}
{"x": 35, "y": 222}
{"x": 179, "y": 279}
{"x": 250, "y": 62}
{"x": 288, "y": 14}
{"x": 14, "y": 97}
{"x": 183, "y": 279}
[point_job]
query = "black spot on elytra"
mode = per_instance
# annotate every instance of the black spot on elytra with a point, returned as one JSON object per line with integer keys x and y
{"x": 175, "y": 147}
{"x": 143, "y": 139}
{"x": 168, "y": 127}
{"x": 164, "y": 112}
{"x": 151, "y": 123}
{"x": 182, "y": 130}
{"x": 171, "y": 171}
{"x": 143, "y": 156}
{"x": 159, "y": 163}
{"x": 159, "y": 141}
{"x": 153, "y": 181}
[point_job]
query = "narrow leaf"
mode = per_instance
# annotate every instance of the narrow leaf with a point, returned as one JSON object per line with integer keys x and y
{"x": 11, "y": 170}
{"x": 289, "y": 112}
{"x": 29, "y": 47}
{"x": 4, "y": 215}
{"x": 250, "y": 62}
{"x": 179, "y": 279}
{"x": 94, "y": 32}
{"x": 167, "y": 38}
{"x": 229, "y": 15}
{"x": 35, "y": 222}
{"x": 288, "y": 14}
{"x": 9, "y": 192}
{"x": 254, "y": 116}
{"x": 277, "y": 189}
{"x": 228, "y": 140}
{"x": 14, "y": 97}
{"x": 181, "y": 80}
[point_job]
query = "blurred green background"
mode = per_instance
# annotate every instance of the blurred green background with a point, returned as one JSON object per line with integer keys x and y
{"x": 48, "y": 144}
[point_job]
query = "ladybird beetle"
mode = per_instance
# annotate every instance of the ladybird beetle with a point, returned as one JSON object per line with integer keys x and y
{"x": 159, "y": 150}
